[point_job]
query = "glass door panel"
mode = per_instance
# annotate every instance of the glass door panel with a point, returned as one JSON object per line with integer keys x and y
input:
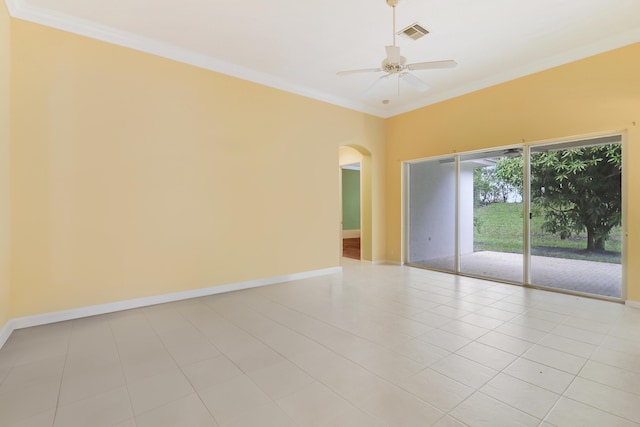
{"x": 491, "y": 214}
{"x": 576, "y": 213}
{"x": 431, "y": 213}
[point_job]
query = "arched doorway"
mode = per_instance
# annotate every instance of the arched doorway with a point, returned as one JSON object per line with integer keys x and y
{"x": 356, "y": 158}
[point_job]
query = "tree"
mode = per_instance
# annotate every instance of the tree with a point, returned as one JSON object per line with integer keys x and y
{"x": 509, "y": 172}
{"x": 499, "y": 183}
{"x": 576, "y": 189}
{"x": 485, "y": 186}
{"x": 579, "y": 188}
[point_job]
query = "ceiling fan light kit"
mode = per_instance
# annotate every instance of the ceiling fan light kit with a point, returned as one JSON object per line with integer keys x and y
{"x": 396, "y": 64}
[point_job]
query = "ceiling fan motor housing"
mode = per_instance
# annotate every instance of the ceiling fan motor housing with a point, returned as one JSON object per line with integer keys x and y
{"x": 391, "y": 67}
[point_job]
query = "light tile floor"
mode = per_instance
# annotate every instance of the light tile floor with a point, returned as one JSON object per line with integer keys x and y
{"x": 372, "y": 346}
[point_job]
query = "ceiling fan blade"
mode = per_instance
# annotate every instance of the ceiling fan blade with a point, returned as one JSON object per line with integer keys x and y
{"x": 414, "y": 81}
{"x": 375, "y": 84}
{"x": 393, "y": 54}
{"x": 432, "y": 65}
{"x": 362, "y": 70}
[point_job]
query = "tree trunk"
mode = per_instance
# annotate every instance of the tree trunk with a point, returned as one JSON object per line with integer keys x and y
{"x": 594, "y": 243}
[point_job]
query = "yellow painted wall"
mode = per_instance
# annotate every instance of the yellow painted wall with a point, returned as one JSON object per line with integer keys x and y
{"x": 5, "y": 48}
{"x": 134, "y": 175}
{"x": 373, "y": 184}
{"x": 348, "y": 156}
{"x": 597, "y": 94}
{"x": 372, "y": 187}
{"x": 375, "y": 164}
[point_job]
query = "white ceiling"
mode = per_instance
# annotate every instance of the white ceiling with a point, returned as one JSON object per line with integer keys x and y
{"x": 299, "y": 45}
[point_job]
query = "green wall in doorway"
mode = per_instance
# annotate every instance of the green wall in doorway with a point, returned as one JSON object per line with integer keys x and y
{"x": 350, "y": 199}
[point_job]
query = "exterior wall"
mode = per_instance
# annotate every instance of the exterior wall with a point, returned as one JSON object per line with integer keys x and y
{"x": 465, "y": 209}
{"x": 596, "y": 95}
{"x": 432, "y": 193}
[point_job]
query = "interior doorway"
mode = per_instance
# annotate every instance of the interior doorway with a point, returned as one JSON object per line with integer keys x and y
{"x": 353, "y": 207}
{"x": 351, "y": 211}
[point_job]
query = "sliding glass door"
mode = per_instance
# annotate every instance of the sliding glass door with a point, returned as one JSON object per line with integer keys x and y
{"x": 576, "y": 216}
{"x": 490, "y": 214}
{"x": 468, "y": 214}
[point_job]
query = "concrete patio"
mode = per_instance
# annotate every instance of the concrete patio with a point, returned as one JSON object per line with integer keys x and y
{"x": 599, "y": 278}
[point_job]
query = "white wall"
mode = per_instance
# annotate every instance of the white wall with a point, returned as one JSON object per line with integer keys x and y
{"x": 466, "y": 208}
{"x": 432, "y": 210}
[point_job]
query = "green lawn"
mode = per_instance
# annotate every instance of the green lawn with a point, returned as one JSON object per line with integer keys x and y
{"x": 498, "y": 227}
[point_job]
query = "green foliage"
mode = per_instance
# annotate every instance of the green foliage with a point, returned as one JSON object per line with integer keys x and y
{"x": 477, "y": 224}
{"x": 485, "y": 188}
{"x": 509, "y": 171}
{"x": 579, "y": 189}
{"x": 499, "y": 183}
{"x": 500, "y": 227}
{"x": 575, "y": 189}
{"x": 501, "y": 230}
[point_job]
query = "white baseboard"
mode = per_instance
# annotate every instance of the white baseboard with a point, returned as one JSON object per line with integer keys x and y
{"x": 350, "y": 234}
{"x": 383, "y": 262}
{"x": 5, "y": 332}
{"x": 94, "y": 310}
{"x": 633, "y": 304}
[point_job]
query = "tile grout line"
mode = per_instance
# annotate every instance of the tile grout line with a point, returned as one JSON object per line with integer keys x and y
{"x": 64, "y": 368}
{"x": 178, "y": 365}
{"x": 124, "y": 377}
{"x": 337, "y": 354}
{"x": 286, "y": 358}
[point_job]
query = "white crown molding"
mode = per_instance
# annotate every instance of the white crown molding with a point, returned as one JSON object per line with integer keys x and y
{"x": 94, "y": 310}
{"x": 21, "y": 10}
{"x": 12, "y": 6}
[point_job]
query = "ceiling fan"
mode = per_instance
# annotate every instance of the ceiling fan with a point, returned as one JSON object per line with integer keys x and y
{"x": 395, "y": 64}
